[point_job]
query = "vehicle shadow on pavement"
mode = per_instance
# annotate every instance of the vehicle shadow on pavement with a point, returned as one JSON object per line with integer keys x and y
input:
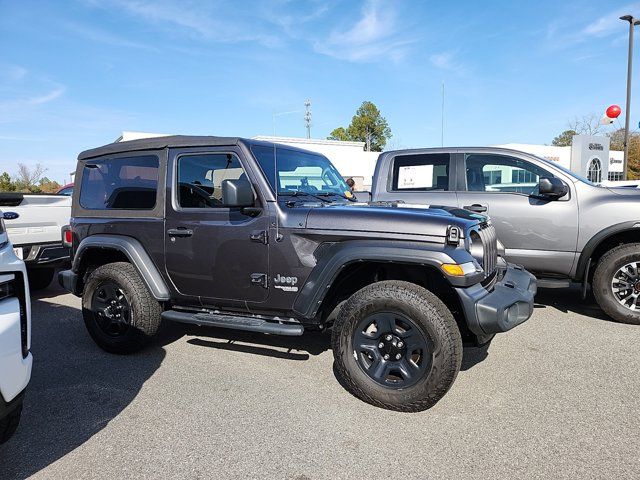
{"x": 570, "y": 300}
{"x": 76, "y": 389}
{"x": 288, "y": 348}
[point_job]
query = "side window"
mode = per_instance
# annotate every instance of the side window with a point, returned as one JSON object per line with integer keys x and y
{"x": 129, "y": 183}
{"x": 500, "y": 173}
{"x": 421, "y": 172}
{"x": 200, "y": 178}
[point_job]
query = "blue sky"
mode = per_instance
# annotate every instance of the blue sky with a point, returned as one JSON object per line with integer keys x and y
{"x": 75, "y": 73}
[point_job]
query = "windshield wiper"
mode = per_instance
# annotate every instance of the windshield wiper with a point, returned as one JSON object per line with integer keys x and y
{"x": 327, "y": 194}
{"x": 297, "y": 193}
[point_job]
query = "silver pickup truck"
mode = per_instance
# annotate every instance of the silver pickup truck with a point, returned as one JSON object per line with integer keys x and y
{"x": 558, "y": 225}
{"x": 34, "y": 224}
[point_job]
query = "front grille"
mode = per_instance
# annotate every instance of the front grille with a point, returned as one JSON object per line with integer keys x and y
{"x": 490, "y": 245}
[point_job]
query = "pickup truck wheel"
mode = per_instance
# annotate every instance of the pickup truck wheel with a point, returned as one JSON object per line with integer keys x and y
{"x": 616, "y": 283}
{"x": 397, "y": 346}
{"x": 9, "y": 424}
{"x": 40, "y": 278}
{"x": 119, "y": 312}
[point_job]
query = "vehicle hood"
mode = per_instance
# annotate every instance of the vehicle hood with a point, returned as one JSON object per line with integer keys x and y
{"x": 626, "y": 191}
{"x": 392, "y": 218}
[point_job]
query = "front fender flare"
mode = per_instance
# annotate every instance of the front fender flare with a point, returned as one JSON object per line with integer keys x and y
{"x": 340, "y": 255}
{"x": 136, "y": 254}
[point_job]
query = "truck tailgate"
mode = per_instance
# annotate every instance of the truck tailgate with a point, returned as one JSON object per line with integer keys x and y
{"x": 34, "y": 219}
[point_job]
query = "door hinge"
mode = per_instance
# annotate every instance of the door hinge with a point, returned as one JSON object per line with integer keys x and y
{"x": 262, "y": 237}
{"x": 260, "y": 279}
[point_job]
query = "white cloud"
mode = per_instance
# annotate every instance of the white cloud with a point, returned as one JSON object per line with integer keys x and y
{"x": 610, "y": 23}
{"x": 46, "y": 98}
{"x": 376, "y": 35}
{"x": 208, "y": 20}
{"x": 442, "y": 60}
{"x": 13, "y": 73}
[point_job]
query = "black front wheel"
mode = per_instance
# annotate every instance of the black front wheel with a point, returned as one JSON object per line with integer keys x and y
{"x": 616, "y": 283}
{"x": 397, "y": 346}
{"x": 119, "y": 312}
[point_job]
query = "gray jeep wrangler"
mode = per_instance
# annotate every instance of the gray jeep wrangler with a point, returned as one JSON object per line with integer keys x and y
{"x": 247, "y": 235}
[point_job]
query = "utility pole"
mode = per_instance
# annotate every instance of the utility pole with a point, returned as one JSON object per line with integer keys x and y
{"x": 307, "y": 117}
{"x": 627, "y": 114}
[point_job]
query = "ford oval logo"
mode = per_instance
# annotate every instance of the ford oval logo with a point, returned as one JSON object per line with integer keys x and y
{"x": 10, "y": 215}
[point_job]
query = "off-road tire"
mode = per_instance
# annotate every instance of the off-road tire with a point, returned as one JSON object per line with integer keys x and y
{"x": 40, "y": 278}
{"x": 145, "y": 310}
{"x": 433, "y": 319}
{"x": 9, "y": 424}
{"x": 608, "y": 265}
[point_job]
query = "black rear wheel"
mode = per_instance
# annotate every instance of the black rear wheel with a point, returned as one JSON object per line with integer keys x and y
{"x": 397, "y": 346}
{"x": 119, "y": 312}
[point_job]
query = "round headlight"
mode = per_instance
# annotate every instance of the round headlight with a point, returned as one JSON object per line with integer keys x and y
{"x": 476, "y": 248}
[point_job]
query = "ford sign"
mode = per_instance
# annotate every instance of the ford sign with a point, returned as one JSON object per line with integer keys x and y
{"x": 10, "y": 215}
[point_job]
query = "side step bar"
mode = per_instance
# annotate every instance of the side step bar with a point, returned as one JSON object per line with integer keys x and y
{"x": 249, "y": 324}
{"x": 553, "y": 283}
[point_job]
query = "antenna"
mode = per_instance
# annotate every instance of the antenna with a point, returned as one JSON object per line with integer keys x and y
{"x": 275, "y": 180}
{"x": 307, "y": 117}
{"x": 442, "y": 115}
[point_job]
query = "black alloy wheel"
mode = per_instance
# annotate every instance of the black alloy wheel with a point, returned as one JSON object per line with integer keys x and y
{"x": 391, "y": 349}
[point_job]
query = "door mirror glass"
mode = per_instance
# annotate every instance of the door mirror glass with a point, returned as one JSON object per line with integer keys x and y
{"x": 552, "y": 187}
{"x": 237, "y": 193}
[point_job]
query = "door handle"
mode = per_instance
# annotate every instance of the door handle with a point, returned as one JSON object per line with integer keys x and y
{"x": 476, "y": 207}
{"x": 180, "y": 232}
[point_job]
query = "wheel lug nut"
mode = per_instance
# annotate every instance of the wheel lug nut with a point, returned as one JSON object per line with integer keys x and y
{"x": 388, "y": 337}
{"x": 400, "y": 344}
{"x": 398, "y": 356}
{"x": 381, "y": 345}
{"x": 386, "y": 356}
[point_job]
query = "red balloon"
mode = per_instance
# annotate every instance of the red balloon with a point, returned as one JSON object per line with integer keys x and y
{"x": 613, "y": 111}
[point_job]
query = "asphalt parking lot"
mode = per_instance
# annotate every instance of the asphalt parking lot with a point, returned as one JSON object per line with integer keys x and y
{"x": 558, "y": 397}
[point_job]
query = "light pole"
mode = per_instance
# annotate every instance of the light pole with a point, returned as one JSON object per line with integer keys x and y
{"x": 632, "y": 23}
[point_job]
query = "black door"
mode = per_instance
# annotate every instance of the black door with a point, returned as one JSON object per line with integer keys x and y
{"x": 213, "y": 251}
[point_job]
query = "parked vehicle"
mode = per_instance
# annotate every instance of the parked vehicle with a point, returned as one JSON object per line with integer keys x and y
{"x": 34, "y": 223}
{"x": 66, "y": 190}
{"x": 555, "y": 223}
{"x": 190, "y": 229}
{"x": 15, "y": 336}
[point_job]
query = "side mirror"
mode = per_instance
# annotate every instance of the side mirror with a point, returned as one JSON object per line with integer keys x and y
{"x": 237, "y": 193}
{"x": 552, "y": 188}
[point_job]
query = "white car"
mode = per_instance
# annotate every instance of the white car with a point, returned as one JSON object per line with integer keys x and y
{"x": 15, "y": 336}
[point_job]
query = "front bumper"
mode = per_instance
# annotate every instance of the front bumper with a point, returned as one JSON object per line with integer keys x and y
{"x": 508, "y": 304}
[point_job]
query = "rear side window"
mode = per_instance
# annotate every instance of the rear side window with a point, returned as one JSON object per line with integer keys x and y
{"x": 421, "y": 172}
{"x": 129, "y": 183}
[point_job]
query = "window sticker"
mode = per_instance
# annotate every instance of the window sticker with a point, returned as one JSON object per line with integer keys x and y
{"x": 415, "y": 176}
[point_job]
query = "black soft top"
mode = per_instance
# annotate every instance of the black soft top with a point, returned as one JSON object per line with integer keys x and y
{"x": 157, "y": 143}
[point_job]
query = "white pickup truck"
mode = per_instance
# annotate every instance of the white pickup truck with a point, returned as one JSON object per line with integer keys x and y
{"x": 34, "y": 224}
{"x": 15, "y": 336}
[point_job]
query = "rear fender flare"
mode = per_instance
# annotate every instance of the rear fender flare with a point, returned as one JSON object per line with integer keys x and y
{"x": 136, "y": 254}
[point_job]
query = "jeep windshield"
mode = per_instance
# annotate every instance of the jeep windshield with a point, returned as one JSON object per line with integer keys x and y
{"x": 295, "y": 173}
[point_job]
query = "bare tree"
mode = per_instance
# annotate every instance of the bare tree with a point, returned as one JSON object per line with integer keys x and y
{"x": 586, "y": 125}
{"x": 30, "y": 177}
